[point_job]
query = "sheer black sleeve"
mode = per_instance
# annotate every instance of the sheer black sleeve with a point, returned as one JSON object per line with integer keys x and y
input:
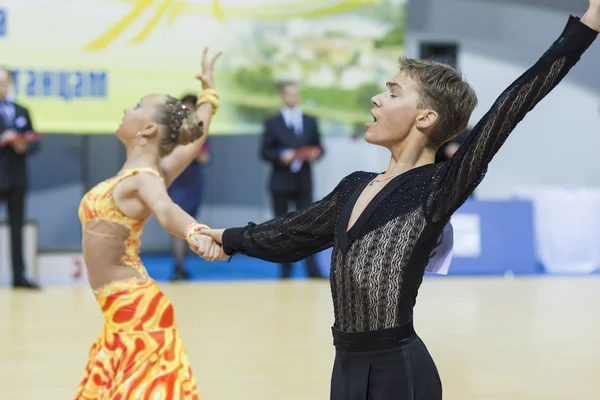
{"x": 294, "y": 236}
{"x": 459, "y": 176}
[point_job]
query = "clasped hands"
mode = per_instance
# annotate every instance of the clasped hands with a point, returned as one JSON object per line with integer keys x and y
{"x": 207, "y": 243}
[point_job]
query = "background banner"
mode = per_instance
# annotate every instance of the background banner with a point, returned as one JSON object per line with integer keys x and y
{"x": 79, "y": 64}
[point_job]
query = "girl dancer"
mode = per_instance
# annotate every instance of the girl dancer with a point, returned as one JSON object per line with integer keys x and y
{"x": 139, "y": 353}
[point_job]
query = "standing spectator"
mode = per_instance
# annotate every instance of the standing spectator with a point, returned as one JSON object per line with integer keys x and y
{"x": 291, "y": 177}
{"x": 447, "y": 150}
{"x": 15, "y": 122}
{"x": 186, "y": 192}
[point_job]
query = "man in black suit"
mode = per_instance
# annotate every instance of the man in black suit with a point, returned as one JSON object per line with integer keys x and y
{"x": 447, "y": 150}
{"x": 285, "y": 134}
{"x": 14, "y": 122}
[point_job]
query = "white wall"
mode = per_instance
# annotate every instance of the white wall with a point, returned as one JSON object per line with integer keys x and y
{"x": 558, "y": 141}
{"x": 555, "y": 144}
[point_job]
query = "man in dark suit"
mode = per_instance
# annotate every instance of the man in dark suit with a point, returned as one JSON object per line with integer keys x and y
{"x": 291, "y": 177}
{"x": 14, "y": 122}
{"x": 447, "y": 150}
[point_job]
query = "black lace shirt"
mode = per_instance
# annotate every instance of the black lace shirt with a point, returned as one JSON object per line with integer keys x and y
{"x": 378, "y": 265}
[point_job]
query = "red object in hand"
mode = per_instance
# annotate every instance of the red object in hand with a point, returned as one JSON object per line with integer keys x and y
{"x": 24, "y": 137}
{"x": 306, "y": 151}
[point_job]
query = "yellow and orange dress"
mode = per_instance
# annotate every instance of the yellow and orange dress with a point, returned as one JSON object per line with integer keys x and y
{"x": 138, "y": 354}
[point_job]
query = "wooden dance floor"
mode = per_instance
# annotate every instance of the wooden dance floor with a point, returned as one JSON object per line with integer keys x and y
{"x": 492, "y": 338}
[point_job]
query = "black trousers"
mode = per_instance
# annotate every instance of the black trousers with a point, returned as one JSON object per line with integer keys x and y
{"x": 14, "y": 199}
{"x": 281, "y": 203}
{"x": 391, "y": 364}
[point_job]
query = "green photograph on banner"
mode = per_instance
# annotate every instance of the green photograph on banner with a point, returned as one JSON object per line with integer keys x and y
{"x": 96, "y": 58}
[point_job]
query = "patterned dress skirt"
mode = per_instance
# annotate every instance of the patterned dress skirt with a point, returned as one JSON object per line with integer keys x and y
{"x": 139, "y": 354}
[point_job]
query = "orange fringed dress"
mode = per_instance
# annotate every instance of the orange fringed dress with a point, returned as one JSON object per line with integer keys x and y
{"x": 138, "y": 354}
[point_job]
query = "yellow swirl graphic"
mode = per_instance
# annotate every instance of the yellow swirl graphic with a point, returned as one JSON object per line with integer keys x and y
{"x": 271, "y": 12}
